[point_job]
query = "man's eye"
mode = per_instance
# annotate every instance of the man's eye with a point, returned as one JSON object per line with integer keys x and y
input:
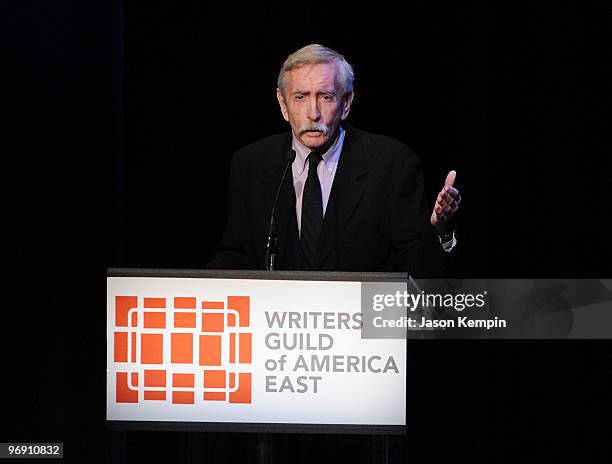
{"x": 329, "y": 97}
{"x": 299, "y": 97}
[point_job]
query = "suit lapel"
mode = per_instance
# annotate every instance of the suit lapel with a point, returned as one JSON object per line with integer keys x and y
{"x": 346, "y": 192}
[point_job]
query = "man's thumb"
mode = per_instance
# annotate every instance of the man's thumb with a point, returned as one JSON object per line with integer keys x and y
{"x": 450, "y": 179}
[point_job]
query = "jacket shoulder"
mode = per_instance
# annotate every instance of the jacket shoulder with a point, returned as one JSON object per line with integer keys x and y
{"x": 264, "y": 150}
{"x": 384, "y": 149}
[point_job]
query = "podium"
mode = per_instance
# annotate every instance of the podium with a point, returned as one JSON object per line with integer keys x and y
{"x": 250, "y": 351}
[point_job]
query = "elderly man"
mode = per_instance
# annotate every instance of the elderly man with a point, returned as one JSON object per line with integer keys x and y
{"x": 327, "y": 196}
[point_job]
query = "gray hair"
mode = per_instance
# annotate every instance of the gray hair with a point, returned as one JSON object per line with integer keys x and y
{"x": 315, "y": 53}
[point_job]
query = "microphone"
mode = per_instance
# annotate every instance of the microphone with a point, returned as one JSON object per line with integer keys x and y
{"x": 272, "y": 241}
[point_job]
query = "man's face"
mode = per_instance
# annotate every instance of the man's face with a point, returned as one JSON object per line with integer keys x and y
{"x": 313, "y": 104}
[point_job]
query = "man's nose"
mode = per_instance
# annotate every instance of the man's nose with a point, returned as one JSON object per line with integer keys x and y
{"x": 313, "y": 110}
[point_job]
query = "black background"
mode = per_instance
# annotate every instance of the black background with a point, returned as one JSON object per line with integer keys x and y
{"x": 121, "y": 121}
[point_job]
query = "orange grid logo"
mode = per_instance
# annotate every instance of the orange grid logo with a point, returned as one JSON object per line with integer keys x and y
{"x": 181, "y": 350}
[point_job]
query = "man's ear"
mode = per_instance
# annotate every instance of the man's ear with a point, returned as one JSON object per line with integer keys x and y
{"x": 346, "y": 105}
{"x": 283, "y": 104}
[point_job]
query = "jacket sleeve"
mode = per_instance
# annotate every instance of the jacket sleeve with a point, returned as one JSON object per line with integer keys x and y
{"x": 233, "y": 250}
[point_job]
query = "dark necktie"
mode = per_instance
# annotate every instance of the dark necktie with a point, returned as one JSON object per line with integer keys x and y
{"x": 312, "y": 209}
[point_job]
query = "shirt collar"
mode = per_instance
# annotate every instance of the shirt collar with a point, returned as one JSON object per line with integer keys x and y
{"x": 302, "y": 151}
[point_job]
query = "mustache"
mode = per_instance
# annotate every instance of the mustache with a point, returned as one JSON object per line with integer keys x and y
{"x": 314, "y": 126}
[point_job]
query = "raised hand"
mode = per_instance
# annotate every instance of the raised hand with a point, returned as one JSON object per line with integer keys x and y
{"x": 447, "y": 204}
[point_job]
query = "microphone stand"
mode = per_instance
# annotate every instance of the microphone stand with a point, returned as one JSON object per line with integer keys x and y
{"x": 272, "y": 240}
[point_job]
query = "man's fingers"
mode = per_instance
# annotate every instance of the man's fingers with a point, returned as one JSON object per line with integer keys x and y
{"x": 437, "y": 216}
{"x": 440, "y": 201}
{"x": 450, "y": 179}
{"x": 445, "y": 199}
{"x": 452, "y": 191}
{"x": 434, "y": 218}
{"x": 441, "y": 212}
{"x": 447, "y": 202}
{"x": 450, "y": 197}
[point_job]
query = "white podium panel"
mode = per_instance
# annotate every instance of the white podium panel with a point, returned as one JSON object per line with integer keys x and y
{"x": 245, "y": 351}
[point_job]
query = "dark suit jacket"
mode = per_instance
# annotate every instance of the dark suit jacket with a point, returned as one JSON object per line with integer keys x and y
{"x": 376, "y": 218}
